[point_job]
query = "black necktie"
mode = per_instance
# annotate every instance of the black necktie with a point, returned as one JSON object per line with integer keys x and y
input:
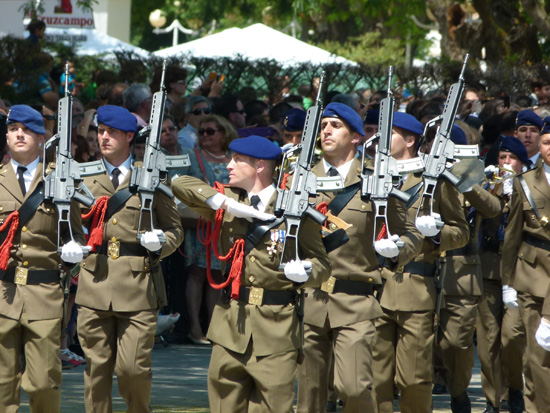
{"x": 332, "y": 171}
{"x": 20, "y": 171}
{"x": 116, "y": 173}
{"x": 254, "y": 201}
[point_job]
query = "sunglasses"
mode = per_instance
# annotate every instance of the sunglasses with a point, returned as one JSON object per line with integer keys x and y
{"x": 208, "y": 131}
{"x": 197, "y": 112}
{"x": 169, "y": 129}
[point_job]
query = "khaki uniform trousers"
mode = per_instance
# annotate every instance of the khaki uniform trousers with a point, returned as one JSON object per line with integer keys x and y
{"x": 351, "y": 348}
{"x": 250, "y": 383}
{"x": 40, "y": 341}
{"x": 119, "y": 342}
{"x": 402, "y": 355}
{"x": 537, "y": 360}
{"x": 457, "y": 341}
{"x": 500, "y": 343}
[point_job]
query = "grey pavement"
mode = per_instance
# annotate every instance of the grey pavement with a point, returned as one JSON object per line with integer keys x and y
{"x": 179, "y": 384}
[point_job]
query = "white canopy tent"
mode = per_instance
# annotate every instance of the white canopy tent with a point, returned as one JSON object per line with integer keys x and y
{"x": 254, "y": 42}
{"x": 91, "y": 41}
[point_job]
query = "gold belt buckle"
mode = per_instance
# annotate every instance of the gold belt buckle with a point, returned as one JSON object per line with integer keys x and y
{"x": 21, "y": 275}
{"x": 256, "y": 296}
{"x": 113, "y": 248}
{"x": 328, "y": 285}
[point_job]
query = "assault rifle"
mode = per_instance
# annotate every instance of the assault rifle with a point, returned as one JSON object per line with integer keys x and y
{"x": 62, "y": 180}
{"x": 380, "y": 183}
{"x": 293, "y": 204}
{"x": 153, "y": 175}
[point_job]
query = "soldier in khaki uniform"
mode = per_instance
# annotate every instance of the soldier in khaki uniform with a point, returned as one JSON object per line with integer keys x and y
{"x": 31, "y": 299}
{"x": 118, "y": 287}
{"x": 339, "y": 317}
{"x": 404, "y": 334}
{"x": 255, "y": 327}
{"x": 525, "y": 266}
{"x": 500, "y": 333}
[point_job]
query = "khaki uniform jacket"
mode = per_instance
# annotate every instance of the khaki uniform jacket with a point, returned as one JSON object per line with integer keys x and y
{"x": 523, "y": 266}
{"x": 416, "y": 292}
{"x": 34, "y": 248}
{"x": 357, "y": 259}
{"x": 463, "y": 272}
{"x": 489, "y": 256}
{"x": 273, "y": 328}
{"x": 126, "y": 283}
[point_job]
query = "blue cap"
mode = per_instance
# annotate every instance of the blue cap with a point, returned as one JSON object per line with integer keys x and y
{"x": 347, "y": 114}
{"x": 371, "y": 117}
{"x": 458, "y": 136}
{"x": 29, "y": 117}
{"x": 408, "y": 122}
{"x": 514, "y": 145}
{"x": 545, "y": 126}
{"x": 528, "y": 117}
{"x": 256, "y": 147}
{"x": 294, "y": 120}
{"x": 117, "y": 117}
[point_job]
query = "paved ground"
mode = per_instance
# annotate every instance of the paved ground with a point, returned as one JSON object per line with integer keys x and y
{"x": 179, "y": 384}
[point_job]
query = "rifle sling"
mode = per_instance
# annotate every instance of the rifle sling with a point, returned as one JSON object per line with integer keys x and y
{"x": 117, "y": 201}
{"x": 257, "y": 232}
{"x": 28, "y": 208}
{"x": 529, "y": 197}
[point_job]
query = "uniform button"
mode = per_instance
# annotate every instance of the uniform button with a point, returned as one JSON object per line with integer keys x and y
{"x": 521, "y": 255}
{"x": 363, "y": 207}
{"x": 83, "y": 265}
{"x": 24, "y": 229}
{"x": 25, "y": 263}
{"x": 114, "y": 221}
{"x": 48, "y": 210}
{"x": 252, "y": 259}
{"x": 230, "y": 229}
{"x": 1, "y": 208}
{"x": 24, "y": 246}
{"x": 370, "y": 279}
{"x": 200, "y": 190}
{"x": 146, "y": 268}
{"x": 332, "y": 226}
{"x": 251, "y": 279}
{"x": 466, "y": 203}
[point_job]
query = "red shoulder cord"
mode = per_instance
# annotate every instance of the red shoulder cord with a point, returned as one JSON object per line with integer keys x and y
{"x": 8, "y": 242}
{"x": 236, "y": 252}
{"x": 95, "y": 238}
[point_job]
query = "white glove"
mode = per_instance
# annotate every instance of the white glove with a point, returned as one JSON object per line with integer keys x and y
{"x": 387, "y": 247}
{"x": 426, "y": 224}
{"x": 490, "y": 170}
{"x": 543, "y": 334}
{"x": 151, "y": 241}
{"x": 296, "y": 270}
{"x": 72, "y": 252}
{"x": 236, "y": 208}
{"x": 507, "y": 187}
{"x": 509, "y": 297}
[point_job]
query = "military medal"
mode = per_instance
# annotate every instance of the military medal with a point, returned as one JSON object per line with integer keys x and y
{"x": 231, "y": 240}
{"x": 274, "y": 238}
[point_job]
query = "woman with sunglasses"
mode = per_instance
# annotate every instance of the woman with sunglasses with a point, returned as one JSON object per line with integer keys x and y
{"x": 209, "y": 164}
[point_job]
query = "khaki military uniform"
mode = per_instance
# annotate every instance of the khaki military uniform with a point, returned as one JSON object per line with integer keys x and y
{"x": 462, "y": 288}
{"x": 500, "y": 335}
{"x": 342, "y": 323}
{"x": 404, "y": 334}
{"x": 526, "y": 267}
{"x": 30, "y": 315}
{"x": 118, "y": 301}
{"x": 254, "y": 358}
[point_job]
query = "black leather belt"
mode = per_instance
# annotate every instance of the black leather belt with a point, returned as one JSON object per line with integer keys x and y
{"x": 421, "y": 268}
{"x": 124, "y": 249}
{"x": 537, "y": 242}
{"x": 259, "y": 296}
{"x": 33, "y": 277}
{"x": 353, "y": 287}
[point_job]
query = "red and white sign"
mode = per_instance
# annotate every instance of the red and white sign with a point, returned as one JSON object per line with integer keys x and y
{"x": 65, "y": 14}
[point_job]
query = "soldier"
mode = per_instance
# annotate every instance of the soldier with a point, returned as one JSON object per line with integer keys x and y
{"x": 254, "y": 328}
{"x": 31, "y": 303}
{"x": 339, "y": 316}
{"x": 462, "y": 288}
{"x": 404, "y": 334}
{"x": 500, "y": 334}
{"x": 528, "y": 127}
{"x": 525, "y": 266}
{"x": 120, "y": 283}
{"x": 293, "y": 126}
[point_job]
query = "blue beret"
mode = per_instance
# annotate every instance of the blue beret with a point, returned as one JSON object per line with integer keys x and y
{"x": 256, "y": 147}
{"x": 347, "y": 114}
{"x": 528, "y": 117}
{"x": 408, "y": 122}
{"x": 117, "y": 117}
{"x": 546, "y": 126}
{"x": 371, "y": 117}
{"x": 514, "y": 145}
{"x": 294, "y": 120}
{"x": 29, "y": 117}
{"x": 458, "y": 136}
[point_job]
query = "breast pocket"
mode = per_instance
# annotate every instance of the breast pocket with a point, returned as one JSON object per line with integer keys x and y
{"x": 133, "y": 208}
{"x": 45, "y": 219}
{"x": 6, "y": 208}
{"x": 360, "y": 216}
